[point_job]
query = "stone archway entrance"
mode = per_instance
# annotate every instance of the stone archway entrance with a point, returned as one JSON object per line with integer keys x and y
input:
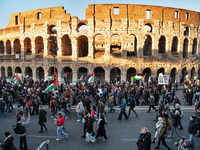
{"x": 147, "y": 71}
{"x": 68, "y": 79}
{"x": 40, "y": 73}
{"x": 100, "y": 74}
{"x": 130, "y": 73}
{"x": 115, "y": 74}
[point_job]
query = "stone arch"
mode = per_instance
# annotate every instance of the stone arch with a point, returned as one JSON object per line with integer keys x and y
{"x": 1, "y": 47}
{"x": 100, "y": 74}
{"x": 173, "y": 75}
{"x": 3, "y": 72}
{"x": 174, "y": 48}
{"x": 69, "y": 74}
{"x": 194, "y": 47}
{"x": 18, "y": 70}
{"x": 148, "y": 28}
{"x": 52, "y": 29}
{"x": 132, "y": 45}
{"x": 82, "y": 71}
{"x": 186, "y": 31}
{"x": 115, "y": 74}
{"x": 27, "y": 46}
{"x": 99, "y": 45}
{"x": 39, "y": 45}
{"x": 66, "y": 46}
{"x": 17, "y": 46}
{"x": 82, "y": 45}
{"x": 147, "y": 71}
{"x": 185, "y": 48}
{"x": 115, "y": 45}
{"x": 162, "y": 44}
{"x": 8, "y": 47}
{"x": 53, "y": 70}
{"x": 184, "y": 72}
{"x": 161, "y": 70}
{"x": 28, "y": 71}
{"x": 147, "y": 49}
{"x": 130, "y": 73}
{"x": 9, "y": 72}
{"x": 82, "y": 26}
{"x": 39, "y": 73}
{"x": 52, "y": 45}
{"x": 192, "y": 72}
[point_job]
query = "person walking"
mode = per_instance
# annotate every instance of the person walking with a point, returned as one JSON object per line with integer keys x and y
{"x": 111, "y": 103}
{"x": 8, "y": 142}
{"x": 162, "y": 136}
{"x": 192, "y": 129}
{"x": 151, "y": 103}
{"x": 165, "y": 114}
{"x": 158, "y": 127}
{"x": 42, "y": 118}
{"x": 79, "y": 110}
{"x": 89, "y": 133}
{"x": 101, "y": 128}
{"x": 2, "y": 107}
{"x": 144, "y": 140}
{"x": 60, "y": 122}
{"x": 123, "y": 110}
{"x": 132, "y": 106}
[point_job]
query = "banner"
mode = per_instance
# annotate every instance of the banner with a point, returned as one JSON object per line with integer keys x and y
{"x": 163, "y": 79}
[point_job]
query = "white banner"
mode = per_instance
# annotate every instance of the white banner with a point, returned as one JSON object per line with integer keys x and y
{"x": 163, "y": 79}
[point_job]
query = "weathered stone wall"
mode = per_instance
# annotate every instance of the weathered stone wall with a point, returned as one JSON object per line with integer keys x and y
{"x": 121, "y": 39}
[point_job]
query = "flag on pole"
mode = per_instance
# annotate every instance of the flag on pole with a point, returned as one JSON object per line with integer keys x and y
{"x": 140, "y": 78}
{"x": 80, "y": 80}
{"x": 51, "y": 78}
{"x": 53, "y": 85}
{"x": 188, "y": 75}
{"x": 64, "y": 75}
{"x": 91, "y": 79}
{"x": 15, "y": 80}
{"x": 41, "y": 145}
{"x": 27, "y": 76}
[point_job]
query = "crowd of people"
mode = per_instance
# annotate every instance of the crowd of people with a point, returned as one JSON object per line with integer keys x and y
{"x": 90, "y": 100}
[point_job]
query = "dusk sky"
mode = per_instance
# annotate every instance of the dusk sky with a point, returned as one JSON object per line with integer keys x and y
{"x": 77, "y": 7}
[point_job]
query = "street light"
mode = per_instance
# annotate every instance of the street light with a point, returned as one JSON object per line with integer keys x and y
{"x": 54, "y": 48}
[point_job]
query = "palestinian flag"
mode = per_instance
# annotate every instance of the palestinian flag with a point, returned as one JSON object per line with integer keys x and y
{"x": 27, "y": 76}
{"x": 140, "y": 78}
{"x": 15, "y": 80}
{"x": 64, "y": 75}
{"x": 41, "y": 145}
{"x": 53, "y": 85}
{"x": 188, "y": 75}
{"x": 80, "y": 80}
{"x": 51, "y": 78}
{"x": 91, "y": 79}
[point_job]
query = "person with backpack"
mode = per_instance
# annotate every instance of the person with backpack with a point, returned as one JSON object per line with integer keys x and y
{"x": 132, "y": 105}
{"x": 20, "y": 130}
{"x": 162, "y": 136}
{"x": 42, "y": 118}
{"x": 8, "y": 142}
{"x": 123, "y": 110}
{"x": 2, "y": 106}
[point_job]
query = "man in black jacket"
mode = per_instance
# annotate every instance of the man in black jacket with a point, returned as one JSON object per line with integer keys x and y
{"x": 144, "y": 141}
{"x": 42, "y": 118}
{"x": 192, "y": 129}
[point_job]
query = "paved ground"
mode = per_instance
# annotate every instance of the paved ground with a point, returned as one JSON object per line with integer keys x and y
{"x": 121, "y": 134}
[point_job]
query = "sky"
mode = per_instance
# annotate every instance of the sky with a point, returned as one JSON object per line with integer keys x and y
{"x": 77, "y": 7}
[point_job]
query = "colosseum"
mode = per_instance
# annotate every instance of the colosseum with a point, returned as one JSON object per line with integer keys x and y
{"x": 114, "y": 39}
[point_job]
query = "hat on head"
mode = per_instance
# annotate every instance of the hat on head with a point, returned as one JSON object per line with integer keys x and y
{"x": 18, "y": 105}
{"x": 160, "y": 119}
{"x": 194, "y": 117}
{"x": 124, "y": 100}
{"x": 177, "y": 106}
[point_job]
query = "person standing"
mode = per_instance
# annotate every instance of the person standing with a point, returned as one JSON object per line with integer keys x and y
{"x": 42, "y": 118}
{"x": 101, "y": 128}
{"x": 111, "y": 103}
{"x": 2, "y": 106}
{"x": 144, "y": 141}
{"x": 8, "y": 142}
{"x": 89, "y": 133}
{"x": 60, "y": 123}
{"x": 132, "y": 105}
{"x": 162, "y": 136}
{"x": 123, "y": 110}
{"x": 192, "y": 129}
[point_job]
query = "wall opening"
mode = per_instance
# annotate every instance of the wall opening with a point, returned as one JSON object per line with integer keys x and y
{"x": 173, "y": 75}
{"x": 187, "y": 16}
{"x": 174, "y": 48}
{"x": 115, "y": 75}
{"x": 100, "y": 74}
{"x": 115, "y": 45}
{"x": 176, "y": 14}
{"x": 28, "y": 71}
{"x": 39, "y": 46}
{"x": 192, "y": 73}
{"x": 194, "y": 47}
{"x": 68, "y": 79}
{"x": 116, "y": 10}
{"x": 39, "y": 15}
{"x": 40, "y": 73}
{"x": 161, "y": 70}
{"x": 8, "y": 47}
{"x": 82, "y": 45}
{"x": 147, "y": 71}
{"x": 9, "y": 72}
{"x": 185, "y": 48}
{"x": 17, "y": 46}
{"x": 1, "y": 47}
{"x": 66, "y": 46}
{"x": 132, "y": 45}
{"x": 18, "y": 70}
{"x": 148, "y": 28}
{"x": 161, "y": 45}
{"x": 82, "y": 71}
{"x": 131, "y": 72}
{"x": 52, "y": 45}
{"x": 99, "y": 46}
{"x": 3, "y": 72}
{"x": 186, "y": 31}
{"x": 148, "y": 14}
{"x": 27, "y": 46}
{"x": 16, "y": 20}
{"x": 147, "y": 49}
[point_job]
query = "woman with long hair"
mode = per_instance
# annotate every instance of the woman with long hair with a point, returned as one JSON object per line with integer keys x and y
{"x": 8, "y": 142}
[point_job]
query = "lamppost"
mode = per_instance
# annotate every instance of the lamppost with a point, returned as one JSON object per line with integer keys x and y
{"x": 53, "y": 49}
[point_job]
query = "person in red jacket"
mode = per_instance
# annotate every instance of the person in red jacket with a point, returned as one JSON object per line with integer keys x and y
{"x": 60, "y": 123}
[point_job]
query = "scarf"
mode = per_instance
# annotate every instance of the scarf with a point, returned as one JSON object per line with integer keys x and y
{"x": 98, "y": 122}
{"x": 7, "y": 138}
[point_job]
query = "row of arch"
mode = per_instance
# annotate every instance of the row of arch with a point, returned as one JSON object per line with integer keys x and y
{"x": 99, "y": 45}
{"x": 99, "y": 73}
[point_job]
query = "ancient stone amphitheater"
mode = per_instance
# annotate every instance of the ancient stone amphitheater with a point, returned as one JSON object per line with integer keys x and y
{"x": 114, "y": 39}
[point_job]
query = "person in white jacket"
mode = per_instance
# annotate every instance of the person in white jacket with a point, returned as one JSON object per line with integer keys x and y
{"x": 79, "y": 110}
{"x": 158, "y": 127}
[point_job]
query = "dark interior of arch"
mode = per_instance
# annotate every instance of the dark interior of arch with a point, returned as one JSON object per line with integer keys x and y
{"x": 82, "y": 46}
{"x": 147, "y": 49}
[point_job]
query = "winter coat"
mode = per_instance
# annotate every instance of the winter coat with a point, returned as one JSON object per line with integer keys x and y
{"x": 2, "y": 105}
{"x": 123, "y": 107}
{"x": 8, "y": 144}
{"x": 42, "y": 116}
{"x": 175, "y": 119}
{"x": 101, "y": 128}
{"x": 163, "y": 132}
{"x": 60, "y": 121}
{"x": 90, "y": 127}
{"x": 145, "y": 142}
{"x": 193, "y": 127}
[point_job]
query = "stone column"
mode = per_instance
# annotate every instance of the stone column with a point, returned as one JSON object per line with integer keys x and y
{"x": 45, "y": 47}
{"x": 155, "y": 47}
{"x": 190, "y": 46}
{"x": 75, "y": 75}
{"x": 4, "y": 45}
{"x": 22, "y": 49}
{"x": 180, "y": 50}
{"x": 140, "y": 46}
{"x": 59, "y": 52}
{"x": 107, "y": 74}
{"x": 90, "y": 47}
{"x": 107, "y": 48}
{"x": 124, "y": 46}
{"x": 33, "y": 48}
{"x": 34, "y": 74}
{"x": 74, "y": 48}
{"x": 12, "y": 47}
{"x": 123, "y": 75}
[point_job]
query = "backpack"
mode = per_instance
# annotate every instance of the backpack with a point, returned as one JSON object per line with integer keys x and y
{"x": 19, "y": 129}
{"x": 29, "y": 103}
